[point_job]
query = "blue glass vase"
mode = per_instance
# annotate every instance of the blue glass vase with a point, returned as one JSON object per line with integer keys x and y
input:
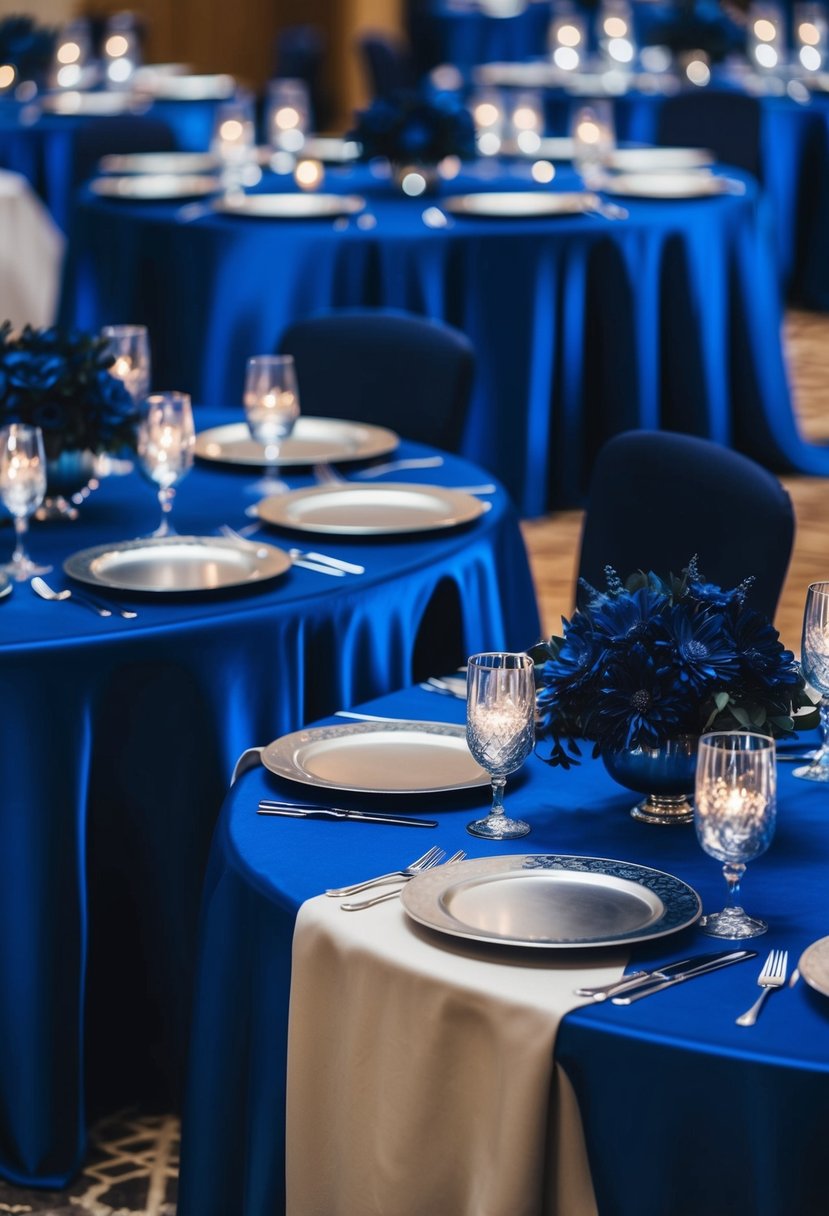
{"x": 665, "y": 774}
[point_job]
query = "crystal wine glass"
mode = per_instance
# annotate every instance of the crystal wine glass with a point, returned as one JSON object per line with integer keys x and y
{"x": 735, "y": 811}
{"x": 22, "y": 489}
{"x": 164, "y": 445}
{"x": 814, "y": 663}
{"x": 271, "y": 400}
{"x": 130, "y": 346}
{"x": 500, "y": 730}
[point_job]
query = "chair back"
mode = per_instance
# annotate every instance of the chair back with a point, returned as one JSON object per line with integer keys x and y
{"x": 388, "y": 64}
{"x": 117, "y": 135}
{"x": 657, "y": 498}
{"x": 387, "y": 368}
{"x": 727, "y": 123}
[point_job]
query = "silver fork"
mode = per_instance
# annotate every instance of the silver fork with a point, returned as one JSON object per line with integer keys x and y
{"x": 297, "y": 557}
{"x": 773, "y": 975}
{"x": 393, "y": 466}
{"x": 379, "y": 899}
{"x": 414, "y": 867}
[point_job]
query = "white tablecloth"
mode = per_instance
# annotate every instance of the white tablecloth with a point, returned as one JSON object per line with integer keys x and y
{"x": 421, "y": 1077}
{"x": 31, "y": 252}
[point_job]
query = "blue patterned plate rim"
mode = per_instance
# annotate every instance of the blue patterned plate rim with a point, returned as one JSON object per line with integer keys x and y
{"x": 551, "y": 900}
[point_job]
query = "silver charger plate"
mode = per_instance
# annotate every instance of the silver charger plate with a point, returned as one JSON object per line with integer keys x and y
{"x": 155, "y": 186}
{"x": 163, "y": 163}
{"x": 331, "y": 149}
{"x": 312, "y": 441}
{"x": 169, "y": 86}
{"x": 658, "y": 159}
{"x": 167, "y": 565}
{"x": 6, "y": 586}
{"x": 348, "y": 509}
{"x": 551, "y": 147}
{"x": 74, "y": 102}
{"x": 551, "y": 900}
{"x": 519, "y": 204}
{"x": 688, "y": 184}
{"x": 813, "y": 965}
{"x": 291, "y": 206}
{"x": 377, "y": 758}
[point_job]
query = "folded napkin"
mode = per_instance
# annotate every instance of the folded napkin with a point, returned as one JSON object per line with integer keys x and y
{"x": 421, "y": 1076}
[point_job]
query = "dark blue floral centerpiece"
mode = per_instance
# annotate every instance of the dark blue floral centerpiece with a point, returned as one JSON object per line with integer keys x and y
{"x": 61, "y": 382}
{"x": 413, "y": 128}
{"x": 650, "y": 664}
{"x": 27, "y": 47}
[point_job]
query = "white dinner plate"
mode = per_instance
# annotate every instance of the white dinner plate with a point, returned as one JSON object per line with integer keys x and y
{"x": 691, "y": 184}
{"x": 312, "y": 441}
{"x": 377, "y": 758}
{"x": 551, "y": 900}
{"x": 291, "y": 206}
{"x": 331, "y": 149}
{"x": 155, "y": 187}
{"x": 659, "y": 160}
{"x": 551, "y": 147}
{"x": 520, "y": 204}
{"x": 813, "y": 965}
{"x": 96, "y": 104}
{"x": 175, "y": 564}
{"x": 167, "y": 86}
{"x": 349, "y": 509}
{"x": 161, "y": 163}
{"x": 529, "y": 75}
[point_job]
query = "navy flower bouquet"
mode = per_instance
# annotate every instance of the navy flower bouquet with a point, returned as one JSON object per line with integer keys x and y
{"x": 651, "y": 659}
{"x": 61, "y": 383}
{"x": 409, "y": 127}
{"x": 27, "y": 47}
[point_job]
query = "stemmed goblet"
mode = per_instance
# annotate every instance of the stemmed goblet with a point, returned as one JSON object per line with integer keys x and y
{"x": 500, "y": 730}
{"x": 22, "y": 489}
{"x": 814, "y": 663}
{"x": 271, "y": 401}
{"x": 735, "y": 809}
{"x": 165, "y": 445}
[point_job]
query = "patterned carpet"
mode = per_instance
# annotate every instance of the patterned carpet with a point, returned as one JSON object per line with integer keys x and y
{"x": 131, "y": 1170}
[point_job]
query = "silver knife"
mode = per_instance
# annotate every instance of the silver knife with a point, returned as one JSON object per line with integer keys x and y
{"x": 298, "y": 811}
{"x": 738, "y": 956}
{"x": 635, "y": 978}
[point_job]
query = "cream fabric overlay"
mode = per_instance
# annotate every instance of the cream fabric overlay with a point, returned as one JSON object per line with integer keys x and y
{"x": 31, "y": 251}
{"x": 421, "y": 1079}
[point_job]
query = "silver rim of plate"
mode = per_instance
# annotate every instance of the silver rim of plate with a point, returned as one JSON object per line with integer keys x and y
{"x": 291, "y": 206}
{"x": 551, "y": 900}
{"x": 658, "y": 159}
{"x": 72, "y": 102}
{"x": 519, "y": 204}
{"x": 174, "y": 86}
{"x": 698, "y": 183}
{"x": 550, "y": 147}
{"x": 348, "y": 509}
{"x": 813, "y": 965}
{"x": 160, "y": 163}
{"x": 172, "y": 565}
{"x": 378, "y": 758}
{"x": 155, "y": 186}
{"x": 6, "y": 586}
{"x": 312, "y": 441}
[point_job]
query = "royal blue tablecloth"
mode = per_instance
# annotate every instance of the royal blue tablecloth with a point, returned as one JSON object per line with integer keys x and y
{"x": 582, "y": 326}
{"x": 118, "y": 741}
{"x": 684, "y": 1112}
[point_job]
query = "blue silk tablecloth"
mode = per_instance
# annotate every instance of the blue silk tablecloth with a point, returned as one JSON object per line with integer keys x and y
{"x": 582, "y": 326}
{"x": 684, "y": 1112}
{"x": 118, "y": 741}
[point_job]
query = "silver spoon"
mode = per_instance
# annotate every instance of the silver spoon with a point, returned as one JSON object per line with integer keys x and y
{"x": 46, "y": 593}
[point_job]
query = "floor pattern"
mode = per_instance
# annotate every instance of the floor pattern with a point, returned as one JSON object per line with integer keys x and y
{"x": 131, "y": 1170}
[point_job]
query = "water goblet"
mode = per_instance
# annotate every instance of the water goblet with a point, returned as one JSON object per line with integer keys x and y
{"x": 271, "y": 401}
{"x": 130, "y": 346}
{"x": 814, "y": 663}
{"x": 735, "y": 809}
{"x": 165, "y": 444}
{"x": 500, "y": 730}
{"x": 22, "y": 490}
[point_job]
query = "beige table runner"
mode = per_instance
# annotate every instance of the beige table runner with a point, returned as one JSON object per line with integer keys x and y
{"x": 421, "y": 1079}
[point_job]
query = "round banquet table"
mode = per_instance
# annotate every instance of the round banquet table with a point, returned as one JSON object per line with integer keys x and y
{"x": 682, "y": 1111}
{"x": 118, "y": 744}
{"x": 582, "y": 326}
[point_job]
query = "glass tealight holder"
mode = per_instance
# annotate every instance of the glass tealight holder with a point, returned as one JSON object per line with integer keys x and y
{"x": 765, "y": 43}
{"x": 130, "y": 346}
{"x": 593, "y": 133}
{"x": 810, "y": 36}
{"x": 486, "y": 105}
{"x": 234, "y": 140}
{"x": 287, "y": 115}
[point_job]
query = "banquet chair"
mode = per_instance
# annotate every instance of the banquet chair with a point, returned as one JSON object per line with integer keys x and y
{"x": 727, "y": 123}
{"x": 387, "y": 368}
{"x": 388, "y": 63}
{"x": 105, "y": 136}
{"x": 657, "y": 498}
{"x": 299, "y": 52}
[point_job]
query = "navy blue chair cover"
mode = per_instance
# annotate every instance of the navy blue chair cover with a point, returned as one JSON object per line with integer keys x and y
{"x": 726, "y": 122}
{"x": 657, "y": 498}
{"x": 384, "y": 367}
{"x": 388, "y": 64}
{"x": 104, "y": 136}
{"x": 299, "y": 54}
